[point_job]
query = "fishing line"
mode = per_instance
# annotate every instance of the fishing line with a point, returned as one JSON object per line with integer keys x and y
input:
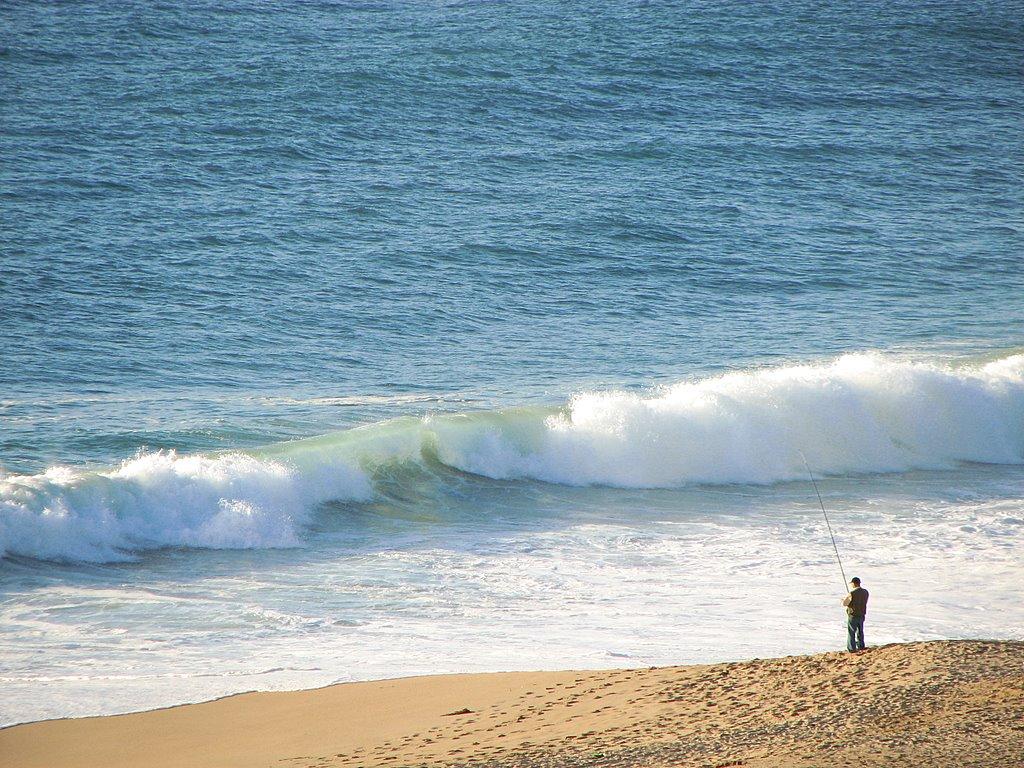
{"x": 839, "y": 560}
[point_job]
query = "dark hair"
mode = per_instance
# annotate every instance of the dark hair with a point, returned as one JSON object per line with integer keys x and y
{"x": 855, "y": 580}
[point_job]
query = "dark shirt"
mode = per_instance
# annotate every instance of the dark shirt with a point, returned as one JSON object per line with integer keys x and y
{"x": 857, "y": 602}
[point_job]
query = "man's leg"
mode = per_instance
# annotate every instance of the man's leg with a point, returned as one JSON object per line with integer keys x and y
{"x": 860, "y": 633}
{"x": 851, "y": 634}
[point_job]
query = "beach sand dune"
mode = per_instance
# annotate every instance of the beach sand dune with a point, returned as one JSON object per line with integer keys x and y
{"x": 943, "y": 703}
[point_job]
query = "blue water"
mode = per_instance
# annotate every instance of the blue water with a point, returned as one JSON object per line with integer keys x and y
{"x": 536, "y": 235}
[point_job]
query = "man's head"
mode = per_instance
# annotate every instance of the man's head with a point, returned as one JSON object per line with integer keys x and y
{"x": 855, "y": 582}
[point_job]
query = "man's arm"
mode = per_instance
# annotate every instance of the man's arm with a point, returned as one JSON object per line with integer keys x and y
{"x": 847, "y": 599}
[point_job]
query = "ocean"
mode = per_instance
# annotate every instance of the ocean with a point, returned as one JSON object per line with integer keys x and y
{"x": 352, "y": 340}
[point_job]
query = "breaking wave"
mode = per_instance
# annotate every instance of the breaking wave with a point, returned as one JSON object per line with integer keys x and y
{"x": 162, "y": 500}
{"x": 861, "y": 413}
{"x": 857, "y": 414}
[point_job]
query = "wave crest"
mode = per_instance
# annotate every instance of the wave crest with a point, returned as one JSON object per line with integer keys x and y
{"x": 161, "y": 499}
{"x": 861, "y": 413}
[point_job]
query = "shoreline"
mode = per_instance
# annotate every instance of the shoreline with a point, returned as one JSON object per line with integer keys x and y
{"x": 931, "y": 703}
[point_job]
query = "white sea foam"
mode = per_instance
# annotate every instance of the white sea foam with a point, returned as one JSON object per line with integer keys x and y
{"x": 861, "y": 413}
{"x": 629, "y": 590}
{"x": 162, "y": 499}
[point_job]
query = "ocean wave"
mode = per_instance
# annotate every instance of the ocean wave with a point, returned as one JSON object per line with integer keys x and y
{"x": 860, "y": 413}
{"x": 160, "y": 500}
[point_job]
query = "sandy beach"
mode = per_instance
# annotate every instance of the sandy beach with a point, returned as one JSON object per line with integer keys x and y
{"x": 942, "y": 703}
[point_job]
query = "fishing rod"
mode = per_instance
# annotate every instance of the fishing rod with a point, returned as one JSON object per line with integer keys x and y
{"x": 817, "y": 493}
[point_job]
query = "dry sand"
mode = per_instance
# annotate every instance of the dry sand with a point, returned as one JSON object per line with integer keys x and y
{"x": 948, "y": 703}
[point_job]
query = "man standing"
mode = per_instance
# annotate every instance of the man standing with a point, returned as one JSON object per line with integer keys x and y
{"x": 856, "y": 609}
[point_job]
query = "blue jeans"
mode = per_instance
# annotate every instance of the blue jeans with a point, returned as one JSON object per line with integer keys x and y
{"x": 855, "y": 633}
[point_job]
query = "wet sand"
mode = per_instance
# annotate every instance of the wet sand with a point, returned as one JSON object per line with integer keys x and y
{"x": 943, "y": 703}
